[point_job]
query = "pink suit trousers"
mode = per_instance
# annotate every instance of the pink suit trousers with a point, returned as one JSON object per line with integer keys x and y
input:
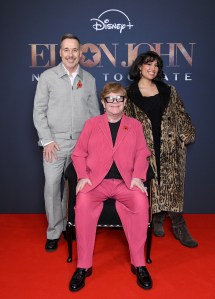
{"x": 132, "y": 206}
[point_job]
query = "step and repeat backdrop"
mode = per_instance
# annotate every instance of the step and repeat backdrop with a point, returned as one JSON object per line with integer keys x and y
{"x": 112, "y": 33}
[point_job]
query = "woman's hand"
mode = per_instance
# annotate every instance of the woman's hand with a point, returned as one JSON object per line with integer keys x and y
{"x": 139, "y": 184}
{"x": 81, "y": 184}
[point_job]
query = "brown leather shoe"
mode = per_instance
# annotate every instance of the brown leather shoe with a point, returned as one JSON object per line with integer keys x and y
{"x": 77, "y": 281}
{"x": 143, "y": 277}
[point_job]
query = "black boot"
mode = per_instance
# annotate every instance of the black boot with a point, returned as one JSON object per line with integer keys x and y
{"x": 180, "y": 230}
{"x": 157, "y": 224}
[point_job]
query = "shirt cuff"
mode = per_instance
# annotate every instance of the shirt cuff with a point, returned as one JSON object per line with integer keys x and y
{"x": 46, "y": 143}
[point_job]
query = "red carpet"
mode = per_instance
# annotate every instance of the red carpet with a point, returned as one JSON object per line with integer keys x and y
{"x": 27, "y": 271}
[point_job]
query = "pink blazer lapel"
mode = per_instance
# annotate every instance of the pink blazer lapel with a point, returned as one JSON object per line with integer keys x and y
{"x": 122, "y": 132}
{"x": 104, "y": 126}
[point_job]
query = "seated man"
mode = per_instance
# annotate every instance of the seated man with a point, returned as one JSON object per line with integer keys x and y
{"x": 110, "y": 159}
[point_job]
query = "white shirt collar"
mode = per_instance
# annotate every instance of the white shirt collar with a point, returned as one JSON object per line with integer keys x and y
{"x": 74, "y": 74}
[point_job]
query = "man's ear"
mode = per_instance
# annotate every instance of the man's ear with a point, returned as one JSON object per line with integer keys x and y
{"x": 103, "y": 104}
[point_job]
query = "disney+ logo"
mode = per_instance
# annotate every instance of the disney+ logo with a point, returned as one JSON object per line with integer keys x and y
{"x": 103, "y": 23}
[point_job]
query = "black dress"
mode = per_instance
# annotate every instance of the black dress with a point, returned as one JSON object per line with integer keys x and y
{"x": 153, "y": 108}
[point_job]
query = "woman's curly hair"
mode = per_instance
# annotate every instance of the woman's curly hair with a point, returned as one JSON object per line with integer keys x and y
{"x": 144, "y": 58}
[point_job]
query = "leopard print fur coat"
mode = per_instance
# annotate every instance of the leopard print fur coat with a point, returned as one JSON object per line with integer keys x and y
{"x": 176, "y": 130}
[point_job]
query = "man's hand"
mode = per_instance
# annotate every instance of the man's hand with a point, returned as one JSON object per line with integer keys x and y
{"x": 81, "y": 184}
{"x": 49, "y": 151}
{"x": 139, "y": 184}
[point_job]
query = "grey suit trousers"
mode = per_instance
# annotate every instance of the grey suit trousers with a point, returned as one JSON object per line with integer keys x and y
{"x": 54, "y": 193}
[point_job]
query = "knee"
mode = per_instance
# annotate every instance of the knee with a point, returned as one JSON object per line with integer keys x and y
{"x": 52, "y": 181}
{"x": 141, "y": 202}
{"x": 82, "y": 203}
{"x": 52, "y": 177}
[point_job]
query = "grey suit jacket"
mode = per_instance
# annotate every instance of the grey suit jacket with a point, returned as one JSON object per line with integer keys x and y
{"x": 61, "y": 110}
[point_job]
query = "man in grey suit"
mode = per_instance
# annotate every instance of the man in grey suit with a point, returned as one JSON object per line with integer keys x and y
{"x": 65, "y": 98}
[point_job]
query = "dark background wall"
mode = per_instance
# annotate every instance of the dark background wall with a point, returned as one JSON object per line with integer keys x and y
{"x": 181, "y": 31}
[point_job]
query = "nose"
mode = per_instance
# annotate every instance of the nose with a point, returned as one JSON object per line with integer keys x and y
{"x": 152, "y": 67}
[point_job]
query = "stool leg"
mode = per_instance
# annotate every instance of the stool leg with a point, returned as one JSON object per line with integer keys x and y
{"x": 149, "y": 231}
{"x": 69, "y": 231}
{"x": 149, "y": 243}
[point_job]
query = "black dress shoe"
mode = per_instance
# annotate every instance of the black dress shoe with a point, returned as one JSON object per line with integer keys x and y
{"x": 51, "y": 245}
{"x": 78, "y": 279}
{"x": 143, "y": 277}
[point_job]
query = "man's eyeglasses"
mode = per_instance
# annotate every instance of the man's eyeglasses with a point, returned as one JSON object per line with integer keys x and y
{"x": 117, "y": 99}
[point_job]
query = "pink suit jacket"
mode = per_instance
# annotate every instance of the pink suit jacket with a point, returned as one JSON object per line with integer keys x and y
{"x": 94, "y": 152}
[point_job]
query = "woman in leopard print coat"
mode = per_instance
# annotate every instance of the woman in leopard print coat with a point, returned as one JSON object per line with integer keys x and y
{"x": 168, "y": 130}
